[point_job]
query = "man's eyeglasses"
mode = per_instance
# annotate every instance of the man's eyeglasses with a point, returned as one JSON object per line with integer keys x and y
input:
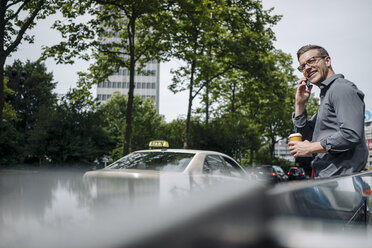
{"x": 310, "y": 62}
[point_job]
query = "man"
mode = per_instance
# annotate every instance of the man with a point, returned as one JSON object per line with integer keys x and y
{"x": 335, "y": 135}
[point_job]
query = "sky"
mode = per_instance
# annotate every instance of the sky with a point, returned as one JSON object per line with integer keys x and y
{"x": 342, "y": 27}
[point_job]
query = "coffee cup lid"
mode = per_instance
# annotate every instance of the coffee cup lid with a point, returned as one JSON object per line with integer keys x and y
{"x": 294, "y": 134}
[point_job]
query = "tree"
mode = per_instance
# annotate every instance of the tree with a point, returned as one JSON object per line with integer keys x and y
{"x": 13, "y": 29}
{"x": 276, "y": 103}
{"x": 173, "y": 132}
{"x": 30, "y": 90}
{"x": 262, "y": 100}
{"x": 73, "y": 133}
{"x": 9, "y": 137}
{"x": 33, "y": 88}
{"x": 120, "y": 34}
{"x": 193, "y": 32}
{"x": 213, "y": 37}
{"x": 230, "y": 134}
{"x": 146, "y": 122}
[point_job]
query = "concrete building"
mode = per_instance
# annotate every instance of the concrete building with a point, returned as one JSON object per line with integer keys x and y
{"x": 146, "y": 84}
{"x": 282, "y": 151}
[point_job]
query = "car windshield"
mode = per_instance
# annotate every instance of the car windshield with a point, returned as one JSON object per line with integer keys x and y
{"x": 296, "y": 170}
{"x": 268, "y": 169}
{"x": 158, "y": 161}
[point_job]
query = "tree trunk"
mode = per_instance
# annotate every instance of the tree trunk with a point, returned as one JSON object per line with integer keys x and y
{"x": 132, "y": 67}
{"x": 272, "y": 147}
{"x": 251, "y": 156}
{"x": 233, "y": 99}
{"x": 207, "y": 104}
{"x": 2, "y": 97}
{"x": 187, "y": 133}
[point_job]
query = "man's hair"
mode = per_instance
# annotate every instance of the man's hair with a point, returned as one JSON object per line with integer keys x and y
{"x": 306, "y": 48}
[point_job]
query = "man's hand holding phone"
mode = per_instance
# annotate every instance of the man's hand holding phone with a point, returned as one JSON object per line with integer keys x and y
{"x": 302, "y": 95}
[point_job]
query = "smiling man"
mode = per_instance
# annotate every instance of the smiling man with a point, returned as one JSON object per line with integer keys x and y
{"x": 335, "y": 135}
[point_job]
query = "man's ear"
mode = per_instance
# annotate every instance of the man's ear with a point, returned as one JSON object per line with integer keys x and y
{"x": 328, "y": 61}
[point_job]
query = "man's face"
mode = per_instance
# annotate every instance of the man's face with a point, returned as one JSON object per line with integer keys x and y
{"x": 316, "y": 66}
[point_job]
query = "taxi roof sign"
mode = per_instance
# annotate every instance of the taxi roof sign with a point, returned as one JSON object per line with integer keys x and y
{"x": 158, "y": 144}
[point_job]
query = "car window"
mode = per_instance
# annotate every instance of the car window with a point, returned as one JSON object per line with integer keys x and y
{"x": 234, "y": 168}
{"x": 278, "y": 169}
{"x": 213, "y": 164}
{"x": 159, "y": 161}
{"x": 258, "y": 169}
{"x": 296, "y": 170}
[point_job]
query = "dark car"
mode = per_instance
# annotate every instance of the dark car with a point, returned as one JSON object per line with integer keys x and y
{"x": 271, "y": 173}
{"x": 280, "y": 173}
{"x": 296, "y": 173}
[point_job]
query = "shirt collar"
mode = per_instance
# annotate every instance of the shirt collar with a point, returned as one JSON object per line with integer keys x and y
{"x": 327, "y": 83}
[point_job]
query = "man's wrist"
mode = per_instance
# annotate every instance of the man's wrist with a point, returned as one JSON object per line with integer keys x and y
{"x": 299, "y": 109}
{"x": 316, "y": 147}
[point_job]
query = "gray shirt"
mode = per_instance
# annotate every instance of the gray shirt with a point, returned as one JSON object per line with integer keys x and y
{"x": 338, "y": 126}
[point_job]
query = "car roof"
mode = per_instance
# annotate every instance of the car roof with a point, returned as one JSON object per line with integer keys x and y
{"x": 184, "y": 151}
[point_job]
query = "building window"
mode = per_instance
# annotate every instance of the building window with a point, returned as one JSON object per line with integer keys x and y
{"x": 153, "y": 85}
{"x": 138, "y": 85}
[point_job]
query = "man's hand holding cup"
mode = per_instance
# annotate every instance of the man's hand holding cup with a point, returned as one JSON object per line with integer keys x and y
{"x": 296, "y": 146}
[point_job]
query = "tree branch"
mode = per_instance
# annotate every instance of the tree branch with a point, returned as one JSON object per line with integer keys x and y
{"x": 14, "y": 3}
{"x": 18, "y": 10}
{"x": 112, "y": 52}
{"x": 210, "y": 79}
{"x": 24, "y": 28}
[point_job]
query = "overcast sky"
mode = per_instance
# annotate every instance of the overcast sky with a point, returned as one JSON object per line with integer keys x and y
{"x": 340, "y": 26}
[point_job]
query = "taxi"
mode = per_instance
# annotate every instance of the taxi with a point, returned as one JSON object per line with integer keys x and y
{"x": 160, "y": 159}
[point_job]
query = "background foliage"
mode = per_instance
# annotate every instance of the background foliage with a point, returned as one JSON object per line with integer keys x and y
{"x": 245, "y": 86}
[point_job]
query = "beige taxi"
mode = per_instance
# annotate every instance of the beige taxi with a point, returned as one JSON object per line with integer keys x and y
{"x": 160, "y": 159}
